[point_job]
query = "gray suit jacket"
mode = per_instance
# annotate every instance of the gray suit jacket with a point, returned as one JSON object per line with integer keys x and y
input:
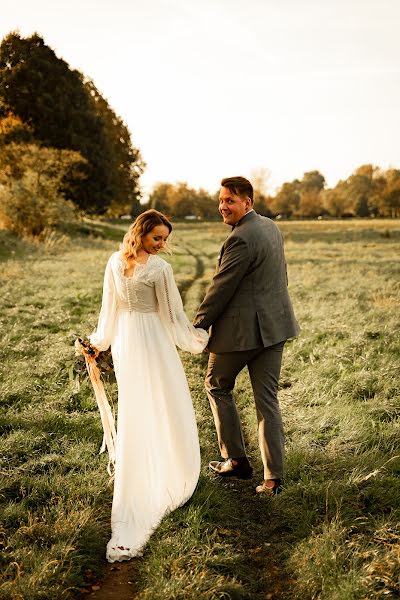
{"x": 247, "y": 305}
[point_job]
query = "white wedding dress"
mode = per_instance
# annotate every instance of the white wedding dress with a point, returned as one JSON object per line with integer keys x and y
{"x": 157, "y": 457}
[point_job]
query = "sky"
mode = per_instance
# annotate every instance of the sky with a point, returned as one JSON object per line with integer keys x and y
{"x": 216, "y": 88}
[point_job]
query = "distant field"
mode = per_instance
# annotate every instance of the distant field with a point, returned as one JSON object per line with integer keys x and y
{"x": 334, "y": 532}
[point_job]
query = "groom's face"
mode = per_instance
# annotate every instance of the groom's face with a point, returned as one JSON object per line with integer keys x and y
{"x": 232, "y": 207}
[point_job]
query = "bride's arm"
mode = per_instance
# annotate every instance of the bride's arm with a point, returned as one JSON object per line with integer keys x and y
{"x": 184, "y": 335}
{"x": 101, "y": 338}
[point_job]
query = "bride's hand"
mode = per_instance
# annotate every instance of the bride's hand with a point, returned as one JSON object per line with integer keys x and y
{"x": 94, "y": 352}
{"x": 80, "y": 348}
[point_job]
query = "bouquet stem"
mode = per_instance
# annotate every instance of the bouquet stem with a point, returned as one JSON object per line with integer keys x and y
{"x": 107, "y": 419}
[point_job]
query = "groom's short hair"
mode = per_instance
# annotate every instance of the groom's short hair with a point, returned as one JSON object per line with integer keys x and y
{"x": 239, "y": 186}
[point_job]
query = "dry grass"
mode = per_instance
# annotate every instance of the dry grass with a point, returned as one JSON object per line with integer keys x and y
{"x": 333, "y": 533}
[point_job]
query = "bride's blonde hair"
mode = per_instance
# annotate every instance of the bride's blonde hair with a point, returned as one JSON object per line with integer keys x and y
{"x": 142, "y": 225}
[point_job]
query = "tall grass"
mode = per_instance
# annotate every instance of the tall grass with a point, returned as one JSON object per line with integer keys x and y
{"x": 332, "y": 534}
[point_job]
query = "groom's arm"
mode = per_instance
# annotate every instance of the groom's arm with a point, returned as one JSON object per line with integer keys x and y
{"x": 234, "y": 265}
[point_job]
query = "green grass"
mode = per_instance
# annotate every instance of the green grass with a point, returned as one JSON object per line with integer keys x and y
{"x": 333, "y": 534}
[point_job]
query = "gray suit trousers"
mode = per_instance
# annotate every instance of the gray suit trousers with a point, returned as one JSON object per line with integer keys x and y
{"x": 264, "y": 366}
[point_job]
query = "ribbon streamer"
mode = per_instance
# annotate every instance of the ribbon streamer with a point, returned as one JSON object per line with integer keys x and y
{"x": 107, "y": 419}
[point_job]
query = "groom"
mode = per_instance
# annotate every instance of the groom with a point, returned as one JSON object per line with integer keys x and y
{"x": 250, "y": 314}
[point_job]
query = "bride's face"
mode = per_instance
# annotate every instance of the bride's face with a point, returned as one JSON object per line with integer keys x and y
{"x": 155, "y": 240}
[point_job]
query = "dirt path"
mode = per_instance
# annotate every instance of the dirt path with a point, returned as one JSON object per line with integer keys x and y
{"x": 119, "y": 583}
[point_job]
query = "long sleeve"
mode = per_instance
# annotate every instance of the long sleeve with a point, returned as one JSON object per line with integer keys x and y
{"x": 101, "y": 338}
{"x": 184, "y": 335}
{"x": 234, "y": 265}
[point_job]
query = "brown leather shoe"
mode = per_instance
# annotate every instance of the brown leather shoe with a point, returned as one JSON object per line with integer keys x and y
{"x": 268, "y": 489}
{"x": 233, "y": 467}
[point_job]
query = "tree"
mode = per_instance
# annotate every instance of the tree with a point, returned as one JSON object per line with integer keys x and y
{"x": 66, "y": 112}
{"x": 335, "y": 201}
{"x": 159, "y": 198}
{"x": 182, "y": 200}
{"x": 313, "y": 181}
{"x": 361, "y": 190}
{"x": 126, "y": 161}
{"x": 31, "y": 177}
{"x": 206, "y": 205}
{"x": 263, "y": 204}
{"x": 388, "y": 201}
{"x": 310, "y": 204}
{"x": 179, "y": 200}
{"x": 287, "y": 200}
{"x": 311, "y": 186}
{"x": 259, "y": 178}
{"x": 12, "y": 129}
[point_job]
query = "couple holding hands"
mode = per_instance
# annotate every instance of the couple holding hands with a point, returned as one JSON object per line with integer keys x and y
{"x": 244, "y": 319}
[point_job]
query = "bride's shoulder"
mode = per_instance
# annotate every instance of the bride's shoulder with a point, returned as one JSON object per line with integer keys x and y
{"x": 160, "y": 263}
{"x": 157, "y": 264}
{"x": 115, "y": 258}
{"x": 115, "y": 261}
{"x": 160, "y": 267}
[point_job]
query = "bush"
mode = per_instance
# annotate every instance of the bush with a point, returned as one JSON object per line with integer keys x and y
{"x": 31, "y": 177}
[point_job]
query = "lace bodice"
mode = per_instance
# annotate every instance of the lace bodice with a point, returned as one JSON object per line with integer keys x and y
{"x": 137, "y": 292}
{"x": 151, "y": 288}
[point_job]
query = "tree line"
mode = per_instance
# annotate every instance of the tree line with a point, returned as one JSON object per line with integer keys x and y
{"x": 62, "y": 147}
{"x": 368, "y": 192}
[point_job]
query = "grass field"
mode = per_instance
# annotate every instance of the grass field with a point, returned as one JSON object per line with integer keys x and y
{"x": 334, "y": 532}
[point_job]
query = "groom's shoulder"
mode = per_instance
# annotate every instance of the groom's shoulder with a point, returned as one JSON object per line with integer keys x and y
{"x": 252, "y": 233}
{"x": 246, "y": 228}
{"x": 257, "y": 224}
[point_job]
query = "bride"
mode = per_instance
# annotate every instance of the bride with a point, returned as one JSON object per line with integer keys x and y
{"x": 157, "y": 459}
